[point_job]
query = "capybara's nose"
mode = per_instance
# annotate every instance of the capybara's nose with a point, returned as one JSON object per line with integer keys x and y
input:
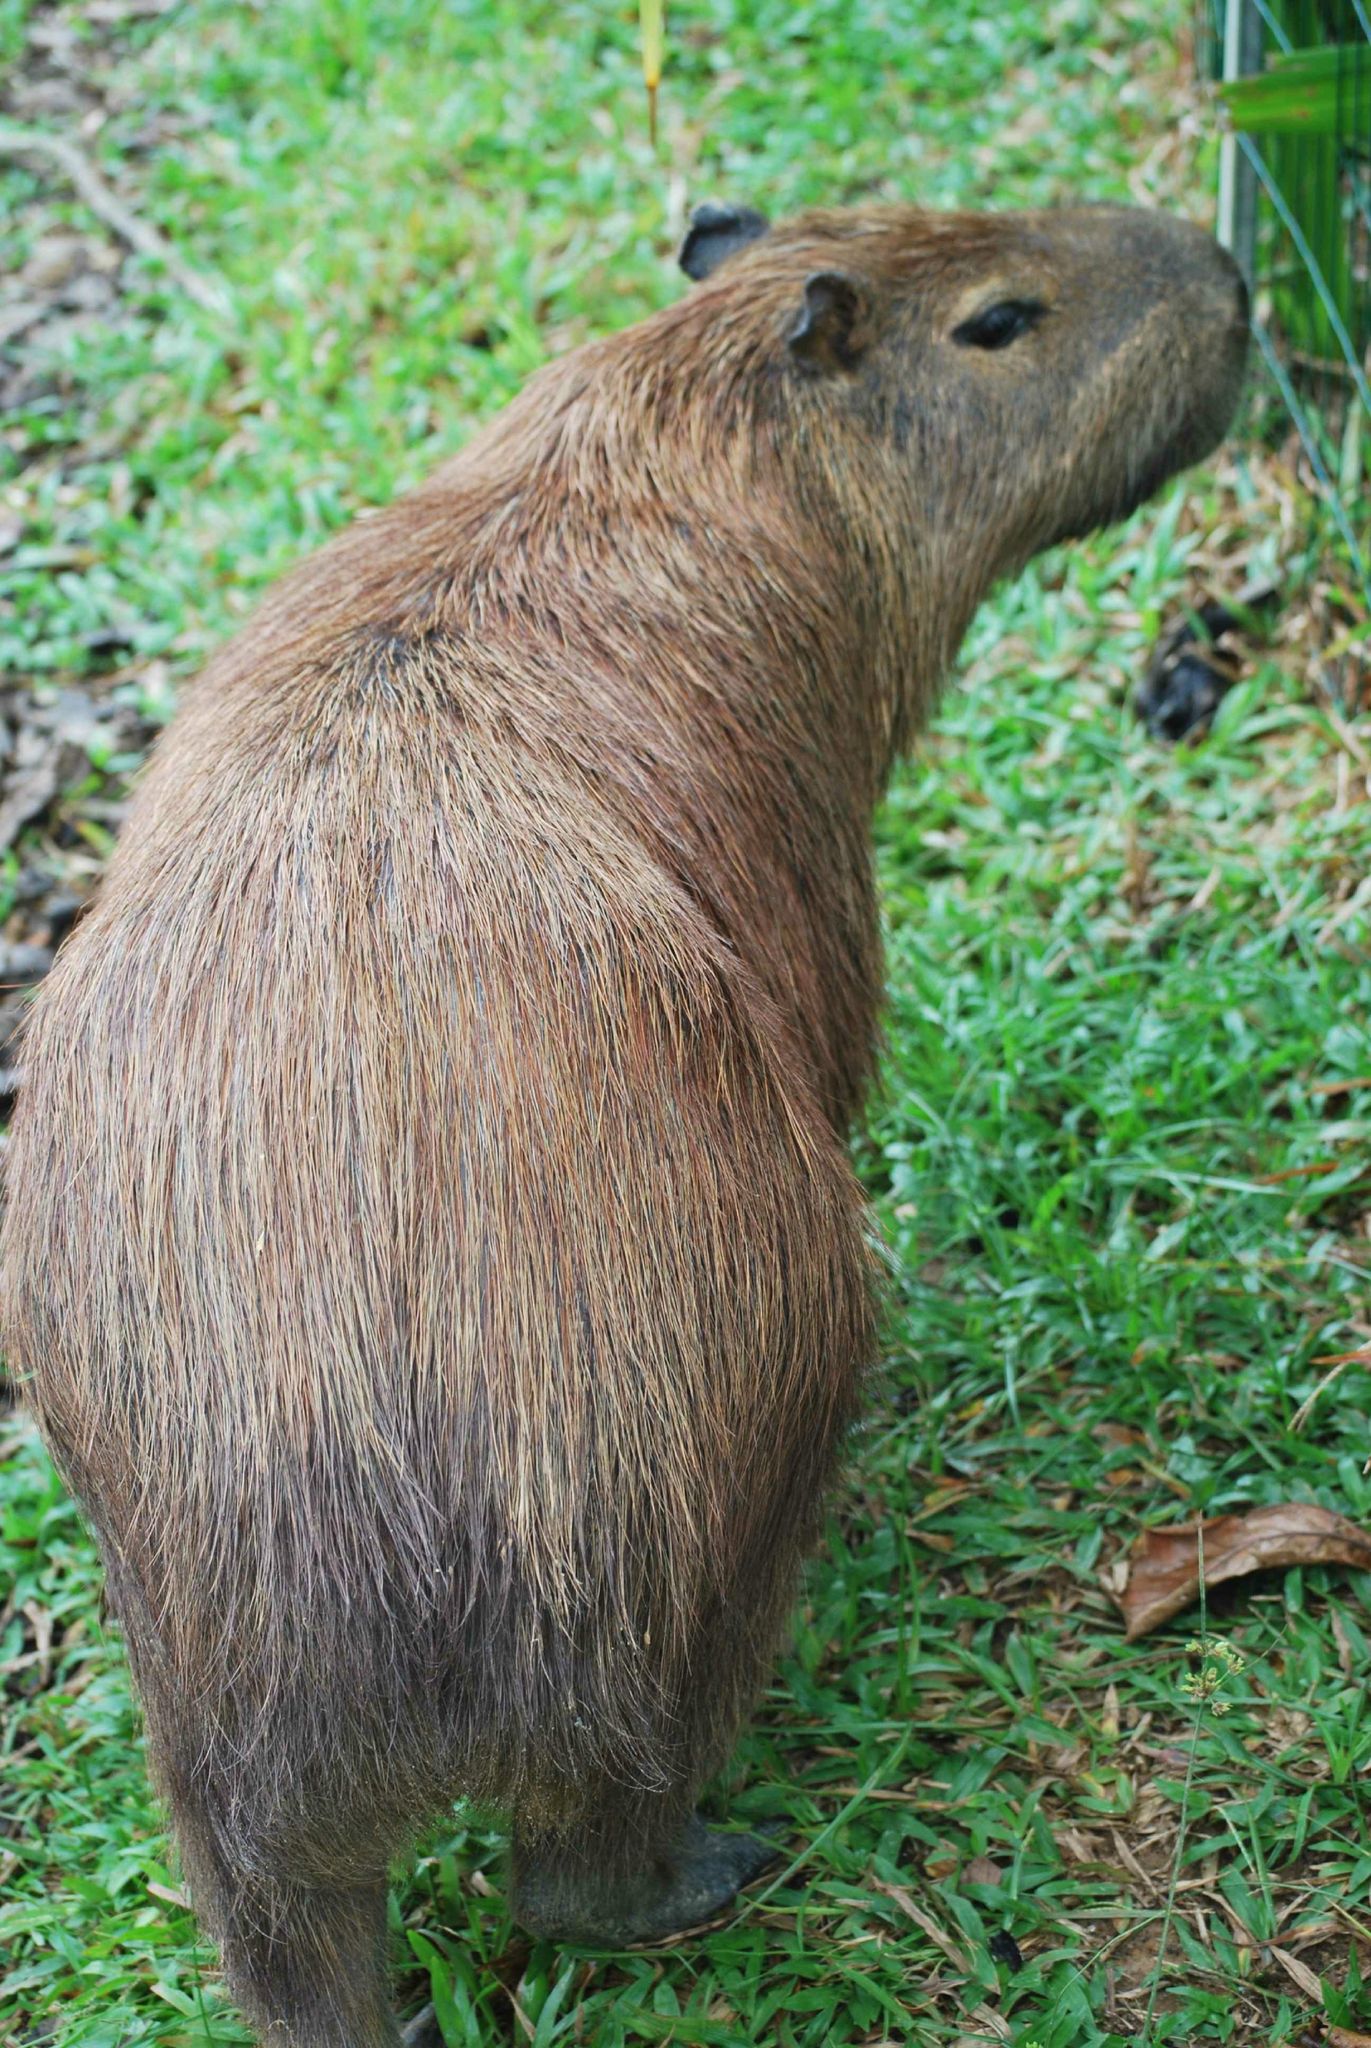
{"x": 1244, "y": 299}
{"x": 1215, "y": 271}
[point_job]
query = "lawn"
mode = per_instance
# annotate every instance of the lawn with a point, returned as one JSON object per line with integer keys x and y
{"x": 1119, "y": 1150}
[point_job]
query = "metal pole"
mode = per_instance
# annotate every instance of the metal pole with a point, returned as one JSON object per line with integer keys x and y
{"x": 1242, "y": 55}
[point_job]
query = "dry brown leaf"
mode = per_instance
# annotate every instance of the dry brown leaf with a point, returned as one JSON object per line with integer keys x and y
{"x": 1114, "y": 1577}
{"x": 1298, "y": 1973}
{"x": 930, "y": 1927}
{"x": 169, "y": 1893}
{"x": 1311, "y": 1931}
{"x": 1164, "y": 1569}
{"x": 1129, "y": 1860}
{"x": 949, "y": 1493}
{"x": 1346, "y": 1659}
{"x": 995, "y": 2028}
{"x": 40, "y": 1620}
{"x": 982, "y": 1870}
{"x": 1342, "y": 2037}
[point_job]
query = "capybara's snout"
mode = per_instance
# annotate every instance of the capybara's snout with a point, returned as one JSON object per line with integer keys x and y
{"x": 1202, "y": 296}
{"x": 1217, "y": 290}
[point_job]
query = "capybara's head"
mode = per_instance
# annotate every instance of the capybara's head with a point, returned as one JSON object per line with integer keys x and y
{"x": 992, "y": 382}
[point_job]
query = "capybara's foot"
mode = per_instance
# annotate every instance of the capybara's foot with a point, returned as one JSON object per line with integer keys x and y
{"x": 423, "y": 2031}
{"x": 680, "y": 1888}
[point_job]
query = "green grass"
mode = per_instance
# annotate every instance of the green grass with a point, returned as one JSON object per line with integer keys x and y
{"x": 1120, "y": 980}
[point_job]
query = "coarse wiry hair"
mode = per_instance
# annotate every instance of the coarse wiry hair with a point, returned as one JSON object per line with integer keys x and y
{"x": 431, "y": 1245}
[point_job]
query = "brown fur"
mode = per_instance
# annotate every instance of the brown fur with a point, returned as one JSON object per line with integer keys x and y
{"x": 431, "y": 1244}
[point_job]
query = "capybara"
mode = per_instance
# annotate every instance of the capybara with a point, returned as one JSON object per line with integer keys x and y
{"x": 431, "y": 1245}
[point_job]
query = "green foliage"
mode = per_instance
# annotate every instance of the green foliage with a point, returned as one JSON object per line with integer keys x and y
{"x": 14, "y": 16}
{"x": 1126, "y": 1223}
{"x": 1301, "y": 92}
{"x": 1306, "y": 109}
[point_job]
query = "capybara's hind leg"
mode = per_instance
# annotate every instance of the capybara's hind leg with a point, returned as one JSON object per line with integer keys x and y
{"x": 313, "y": 1975}
{"x": 611, "y": 1888}
{"x": 306, "y": 1964}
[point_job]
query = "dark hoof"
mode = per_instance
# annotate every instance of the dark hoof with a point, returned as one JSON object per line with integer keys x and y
{"x": 423, "y": 2031}
{"x": 1191, "y": 671}
{"x": 681, "y": 1891}
{"x": 1183, "y": 699}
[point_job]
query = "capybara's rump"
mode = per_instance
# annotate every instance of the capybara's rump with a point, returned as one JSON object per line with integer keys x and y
{"x": 450, "y": 1332}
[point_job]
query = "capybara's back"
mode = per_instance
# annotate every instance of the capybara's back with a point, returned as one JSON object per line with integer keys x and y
{"x": 430, "y": 1242}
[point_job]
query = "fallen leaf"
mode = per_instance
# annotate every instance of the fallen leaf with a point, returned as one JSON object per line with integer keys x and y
{"x": 1114, "y": 1577}
{"x": 1346, "y": 1659}
{"x": 1165, "y": 1566}
{"x": 982, "y": 1870}
{"x": 169, "y": 1893}
{"x": 1298, "y": 1972}
{"x": 31, "y": 789}
{"x": 1127, "y": 1858}
{"x": 907, "y": 1905}
{"x": 1311, "y": 1931}
{"x": 1272, "y": 1180}
{"x": 53, "y": 261}
{"x": 940, "y": 1497}
{"x": 16, "y": 319}
{"x": 995, "y": 2028}
{"x": 1342, "y": 2037}
{"x": 41, "y": 1622}
{"x": 1116, "y": 1433}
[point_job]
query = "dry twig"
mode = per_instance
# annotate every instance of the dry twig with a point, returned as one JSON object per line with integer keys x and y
{"x": 81, "y": 174}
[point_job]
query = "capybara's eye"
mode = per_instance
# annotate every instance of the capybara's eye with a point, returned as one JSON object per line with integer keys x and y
{"x": 999, "y": 324}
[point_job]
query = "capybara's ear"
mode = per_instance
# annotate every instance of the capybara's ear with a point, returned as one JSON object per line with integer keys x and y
{"x": 716, "y": 232}
{"x": 828, "y": 331}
